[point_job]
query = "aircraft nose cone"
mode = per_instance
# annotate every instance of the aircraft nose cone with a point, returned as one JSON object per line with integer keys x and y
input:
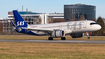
{"x": 99, "y": 27}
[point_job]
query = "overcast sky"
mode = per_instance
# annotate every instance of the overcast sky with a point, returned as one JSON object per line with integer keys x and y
{"x": 47, "y": 6}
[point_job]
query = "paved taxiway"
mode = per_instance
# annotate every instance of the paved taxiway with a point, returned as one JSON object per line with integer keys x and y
{"x": 55, "y": 41}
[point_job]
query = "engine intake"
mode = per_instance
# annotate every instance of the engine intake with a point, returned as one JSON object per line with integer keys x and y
{"x": 57, "y": 33}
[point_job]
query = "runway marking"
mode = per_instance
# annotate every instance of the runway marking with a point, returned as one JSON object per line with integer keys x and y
{"x": 55, "y": 41}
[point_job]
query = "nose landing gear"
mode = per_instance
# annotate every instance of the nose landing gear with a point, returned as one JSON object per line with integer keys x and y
{"x": 88, "y": 37}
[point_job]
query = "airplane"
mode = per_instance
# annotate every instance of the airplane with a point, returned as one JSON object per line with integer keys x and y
{"x": 55, "y": 30}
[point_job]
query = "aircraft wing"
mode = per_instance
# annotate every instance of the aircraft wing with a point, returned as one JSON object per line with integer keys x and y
{"x": 46, "y": 30}
{"x": 40, "y": 29}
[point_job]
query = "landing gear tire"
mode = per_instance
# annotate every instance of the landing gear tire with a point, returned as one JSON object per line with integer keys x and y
{"x": 50, "y": 38}
{"x": 88, "y": 37}
{"x": 63, "y": 38}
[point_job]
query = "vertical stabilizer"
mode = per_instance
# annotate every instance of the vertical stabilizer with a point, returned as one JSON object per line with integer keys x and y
{"x": 19, "y": 21}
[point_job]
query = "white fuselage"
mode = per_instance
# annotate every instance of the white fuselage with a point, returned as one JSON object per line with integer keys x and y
{"x": 55, "y": 30}
{"x": 68, "y": 27}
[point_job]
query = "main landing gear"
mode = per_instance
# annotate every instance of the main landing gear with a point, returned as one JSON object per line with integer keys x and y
{"x": 51, "y": 38}
{"x": 88, "y": 37}
{"x": 63, "y": 38}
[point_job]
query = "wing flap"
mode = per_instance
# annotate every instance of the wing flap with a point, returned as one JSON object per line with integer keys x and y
{"x": 39, "y": 29}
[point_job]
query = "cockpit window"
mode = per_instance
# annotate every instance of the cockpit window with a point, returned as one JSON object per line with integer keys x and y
{"x": 92, "y": 23}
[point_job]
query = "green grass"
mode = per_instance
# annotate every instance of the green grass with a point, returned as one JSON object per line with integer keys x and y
{"x": 46, "y": 37}
{"x": 51, "y": 51}
{"x": 9, "y": 50}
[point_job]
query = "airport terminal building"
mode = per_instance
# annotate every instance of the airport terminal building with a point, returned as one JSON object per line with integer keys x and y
{"x": 79, "y": 12}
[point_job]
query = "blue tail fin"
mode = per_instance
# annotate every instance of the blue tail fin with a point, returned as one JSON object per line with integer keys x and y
{"x": 19, "y": 21}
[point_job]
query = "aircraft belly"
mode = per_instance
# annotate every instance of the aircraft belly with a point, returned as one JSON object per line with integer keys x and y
{"x": 39, "y": 33}
{"x": 78, "y": 31}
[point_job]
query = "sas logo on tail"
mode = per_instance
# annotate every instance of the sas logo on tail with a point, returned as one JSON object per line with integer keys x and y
{"x": 20, "y": 23}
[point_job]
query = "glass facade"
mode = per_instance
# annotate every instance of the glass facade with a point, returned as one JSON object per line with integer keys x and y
{"x": 79, "y": 11}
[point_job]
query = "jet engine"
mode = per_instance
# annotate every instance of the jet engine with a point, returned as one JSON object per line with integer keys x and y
{"x": 57, "y": 33}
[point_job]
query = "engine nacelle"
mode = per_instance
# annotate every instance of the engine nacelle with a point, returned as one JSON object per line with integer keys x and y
{"x": 57, "y": 33}
{"x": 77, "y": 35}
